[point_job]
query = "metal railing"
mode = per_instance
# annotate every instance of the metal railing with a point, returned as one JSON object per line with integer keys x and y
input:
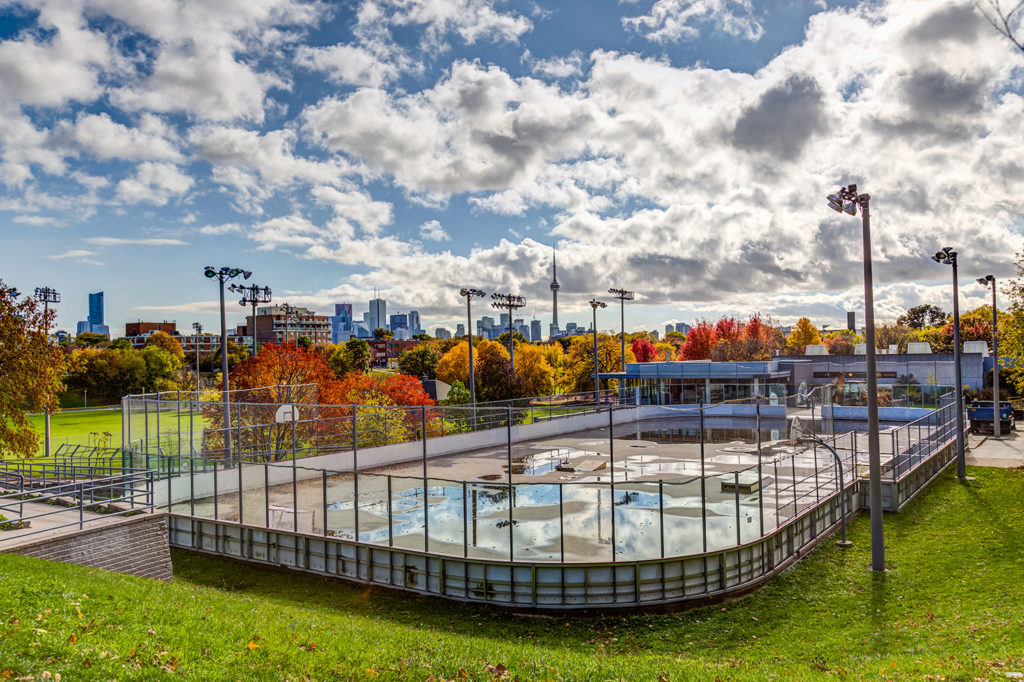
{"x": 94, "y": 499}
{"x": 607, "y": 518}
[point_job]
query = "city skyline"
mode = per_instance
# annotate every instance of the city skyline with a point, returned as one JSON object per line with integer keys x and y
{"x": 678, "y": 150}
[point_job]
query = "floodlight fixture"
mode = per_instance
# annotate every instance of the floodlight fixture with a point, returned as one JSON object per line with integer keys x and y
{"x": 222, "y": 275}
{"x": 996, "y": 422}
{"x": 848, "y": 200}
{"x": 468, "y": 293}
{"x": 512, "y": 302}
{"x": 594, "y": 305}
{"x": 623, "y": 296}
{"x": 947, "y": 256}
{"x": 251, "y": 296}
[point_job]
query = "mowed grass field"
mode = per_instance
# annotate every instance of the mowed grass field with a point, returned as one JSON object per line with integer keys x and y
{"x": 79, "y": 427}
{"x": 950, "y": 607}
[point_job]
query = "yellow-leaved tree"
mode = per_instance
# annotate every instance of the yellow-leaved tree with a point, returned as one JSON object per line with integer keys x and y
{"x": 537, "y": 374}
{"x": 803, "y": 334}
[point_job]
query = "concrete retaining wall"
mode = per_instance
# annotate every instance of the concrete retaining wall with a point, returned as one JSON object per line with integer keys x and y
{"x": 136, "y": 545}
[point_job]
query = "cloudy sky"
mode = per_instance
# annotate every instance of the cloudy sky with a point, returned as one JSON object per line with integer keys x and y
{"x": 680, "y": 148}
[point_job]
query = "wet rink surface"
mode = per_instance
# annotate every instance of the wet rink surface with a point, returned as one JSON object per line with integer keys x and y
{"x": 575, "y": 497}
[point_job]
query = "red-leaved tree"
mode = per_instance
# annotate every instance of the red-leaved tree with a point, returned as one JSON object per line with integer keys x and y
{"x": 643, "y": 349}
{"x": 699, "y": 342}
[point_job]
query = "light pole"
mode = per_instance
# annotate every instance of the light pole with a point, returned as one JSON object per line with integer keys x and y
{"x": 594, "y": 305}
{"x": 252, "y": 295}
{"x": 47, "y": 296}
{"x": 623, "y": 296}
{"x": 513, "y": 303}
{"x": 197, "y": 327}
{"x": 985, "y": 281}
{"x": 289, "y": 315}
{"x": 947, "y": 256}
{"x": 847, "y": 200}
{"x": 469, "y": 294}
{"x": 223, "y": 275}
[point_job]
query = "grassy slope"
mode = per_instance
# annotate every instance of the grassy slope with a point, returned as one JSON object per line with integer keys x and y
{"x": 951, "y": 604}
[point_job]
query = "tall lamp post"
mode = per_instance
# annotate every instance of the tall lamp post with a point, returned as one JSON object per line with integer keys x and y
{"x": 623, "y": 296}
{"x": 947, "y": 256}
{"x": 985, "y": 281}
{"x": 847, "y": 200}
{"x": 197, "y": 327}
{"x": 594, "y": 305}
{"x": 252, "y": 295}
{"x": 222, "y": 275}
{"x": 512, "y": 303}
{"x": 47, "y": 296}
{"x": 469, "y": 294}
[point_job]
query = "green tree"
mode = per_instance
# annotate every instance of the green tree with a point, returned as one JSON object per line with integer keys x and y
{"x": 31, "y": 370}
{"x": 458, "y": 394}
{"x": 421, "y": 337}
{"x": 419, "y": 361}
{"x": 86, "y": 339}
{"x": 894, "y": 335}
{"x": 162, "y": 366}
{"x": 304, "y": 342}
{"x": 121, "y": 344}
{"x": 237, "y": 353}
{"x": 359, "y": 350}
{"x": 924, "y": 315}
{"x": 382, "y": 333}
{"x": 340, "y": 359}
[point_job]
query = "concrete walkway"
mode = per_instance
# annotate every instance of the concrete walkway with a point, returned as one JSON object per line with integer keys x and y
{"x": 48, "y": 522}
{"x": 1005, "y": 453}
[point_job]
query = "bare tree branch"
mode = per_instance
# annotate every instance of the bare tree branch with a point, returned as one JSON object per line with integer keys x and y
{"x": 1002, "y": 20}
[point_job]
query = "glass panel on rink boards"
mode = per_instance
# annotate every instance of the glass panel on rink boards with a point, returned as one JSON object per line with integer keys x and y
{"x": 587, "y": 522}
{"x": 254, "y": 495}
{"x": 536, "y": 522}
{"x": 637, "y": 508}
{"x": 488, "y": 520}
{"x": 684, "y": 526}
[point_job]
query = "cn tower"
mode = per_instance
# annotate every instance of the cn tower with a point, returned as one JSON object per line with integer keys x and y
{"x": 555, "y": 286}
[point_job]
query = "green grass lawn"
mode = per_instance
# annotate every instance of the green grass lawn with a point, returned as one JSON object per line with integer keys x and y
{"x": 78, "y": 427}
{"x": 950, "y": 607}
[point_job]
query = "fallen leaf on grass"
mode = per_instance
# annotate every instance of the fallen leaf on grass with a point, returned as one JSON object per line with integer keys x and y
{"x": 252, "y": 645}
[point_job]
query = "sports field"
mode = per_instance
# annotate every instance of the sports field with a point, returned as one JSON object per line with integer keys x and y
{"x": 80, "y": 427}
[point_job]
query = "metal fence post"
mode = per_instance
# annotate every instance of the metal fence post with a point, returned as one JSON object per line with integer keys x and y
{"x": 465, "y": 523}
{"x": 703, "y": 485}
{"x": 736, "y": 488}
{"x": 324, "y": 484}
{"x": 760, "y": 477}
{"x": 661, "y": 514}
{"x": 426, "y": 499}
{"x": 508, "y": 432}
{"x": 391, "y": 525}
{"x": 561, "y": 520}
{"x": 355, "y": 475}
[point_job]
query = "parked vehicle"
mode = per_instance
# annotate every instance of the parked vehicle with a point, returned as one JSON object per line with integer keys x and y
{"x": 980, "y": 413}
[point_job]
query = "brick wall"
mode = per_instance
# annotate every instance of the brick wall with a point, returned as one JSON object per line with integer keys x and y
{"x": 136, "y": 545}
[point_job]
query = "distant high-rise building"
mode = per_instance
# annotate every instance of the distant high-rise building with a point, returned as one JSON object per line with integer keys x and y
{"x": 342, "y": 328}
{"x": 399, "y": 321}
{"x": 535, "y": 330}
{"x": 504, "y": 322}
{"x": 851, "y": 323}
{"x": 682, "y": 328}
{"x": 95, "y": 322}
{"x": 378, "y": 313}
{"x": 442, "y": 333}
{"x": 414, "y": 322}
{"x": 460, "y": 329}
{"x": 654, "y": 334}
{"x": 669, "y": 329}
{"x": 555, "y": 286}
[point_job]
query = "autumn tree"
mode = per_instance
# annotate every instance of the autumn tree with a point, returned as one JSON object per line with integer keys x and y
{"x": 167, "y": 342}
{"x": 898, "y": 335}
{"x": 532, "y": 366}
{"x": 454, "y": 365}
{"x": 643, "y": 350}
{"x": 31, "y": 368}
{"x": 842, "y": 342}
{"x": 580, "y": 360}
{"x": 359, "y": 351}
{"x": 419, "y": 361}
{"x": 803, "y": 334}
{"x": 699, "y": 342}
